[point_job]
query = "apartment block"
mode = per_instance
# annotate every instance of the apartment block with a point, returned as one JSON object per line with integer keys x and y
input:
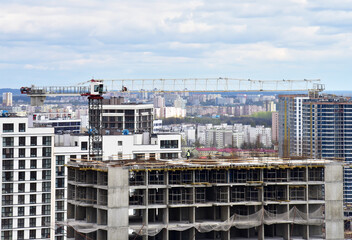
{"x": 266, "y": 198}
{"x": 28, "y": 180}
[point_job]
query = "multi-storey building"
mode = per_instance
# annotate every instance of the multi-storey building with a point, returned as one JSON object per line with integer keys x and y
{"x": 134, "y": 117}
{"x": 28, "y": 180}
{"x": 249, "y": 199}
{"x": 7, "y": 99}
{"x": 60, "y": 125}
{"x": 318, "y": 127}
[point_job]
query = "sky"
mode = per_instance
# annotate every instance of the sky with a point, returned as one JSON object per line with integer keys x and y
{"x": 49, "y": 43}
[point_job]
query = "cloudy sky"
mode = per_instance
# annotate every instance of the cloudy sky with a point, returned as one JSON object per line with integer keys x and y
{"x": 48, "y": 42}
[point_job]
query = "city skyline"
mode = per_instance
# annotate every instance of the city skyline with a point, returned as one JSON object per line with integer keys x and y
{"x": 46, "y": 43}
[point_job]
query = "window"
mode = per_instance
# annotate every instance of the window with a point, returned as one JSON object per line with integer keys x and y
{"x": 7, "y": 165}
{"x": 6, "y": 235}
{"x": 73, "y": 156}
{"x": 6, "y": 223}
{"x": 60, "y": 171}
{"x": 7, "y": 127}
{"x": 22, "y": 164}
{"x": 20, "y": 199}
{"x": 84, "y": 145}
{"x": 21, "y": 152}
{"x": 46, "y": 175}
{"x": 7, "y": 176}
{"x": 46, "y": 141}
{"x": 46, "y": 151}
{"x": 22, "y": 141}
{"x": 33, "y": 175}
{"x": 84, "y": 156}
{"x": 7, "y": 152}
{"x": 32, "y": 222}
{"x": 46, "y": 233}
{"x": 21, "y": 187}
{"x": 60, "y": 160}
{"x": 60, "y": 206}
{"x": 32, "y": 234}
{"x": 119, "y": 143}
{"x": 45, "y": 221}
{"x": 33, "y": 164}
{"x": 22, "y": 127}
{"x": 33, "y": 152}
{"x": 7, "y": 188}
{"x": 21, "y": 176}
{"x": 33, "y": 198}
{"x": 32, "y": 210}
{"x": 20, "y": 223}
{"x": 46, "y": 186}
{"x": 46, "y": 163}
{"x": 168, "y": 155}
{"x": 20, "y": 211}
{"x": 7, "y": 141}
{"x": 33, "y": 141}
{"x": 33, "y": 187}
{"x": 6, "y": 212}
{"x": 59, "y": 194}
{"x": 46, "y": 198}
{"x": 59, "y": 217}
{"x": 46, "y": 209}
{"x": 169, "y": 144}
{"x": 60, "y": 182}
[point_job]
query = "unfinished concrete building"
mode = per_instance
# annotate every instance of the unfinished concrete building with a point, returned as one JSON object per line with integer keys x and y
{"x": 205, "y": 199}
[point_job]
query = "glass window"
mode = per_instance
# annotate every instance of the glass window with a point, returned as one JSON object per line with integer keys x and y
{"x": 32, "y": 210}
{"x": 33, "y": 176}
{"x": 33, "y": 187}
{"x": 33, "y": 152}
{"x": 7, "y": 200}
{"x": 46, "y": 163}
{"x": 33, "y": 198}
{"x": 84, "y": 145}
{"x": 46, "y": 198}
{"x": 33, "y": 141}
{"x": 21, "y": 187}
{"x": 7, "y": 141}
{"x": 169, "y": 144}
{"x": 7, "y": 188}
{"x": 21, "y": 152}
{"x": 60, "y": 160}
{"x": 7, "y": 152}
{"x": 7, "y": 127}
{"x": 7, "y": 176}
{"x": 47, "y": 141}
{"x": 7, "y": 235}
{"x": 20, "y": 211}
{"x": 46, "y": 209}
{"x": 7, "y": 212}
{"x": 20, "y": 199}
{"x": 22, "y": 141}
{"x": 20, "y": 223}
{"x": 7, "y": 165}
{"x": 22, "y": 127}
{"x": 6, "y": 223}
{"x": 46, "y": 175}
{"x": 32, "y": 234}
{"x": 33, "y": 164}
{"x": 46, "y": 151}
{"x": 32, "y": 222}
{"x": 22, "y": 164}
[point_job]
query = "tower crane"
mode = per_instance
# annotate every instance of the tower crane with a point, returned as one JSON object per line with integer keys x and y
{"x": 94, "y": 92}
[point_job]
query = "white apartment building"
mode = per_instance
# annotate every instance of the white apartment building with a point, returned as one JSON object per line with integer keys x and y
{"x": 28, "y": 181}
{"x": 7, "y": 99}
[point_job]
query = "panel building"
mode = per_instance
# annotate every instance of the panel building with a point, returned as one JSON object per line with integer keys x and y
{"x": 28, "y": 180}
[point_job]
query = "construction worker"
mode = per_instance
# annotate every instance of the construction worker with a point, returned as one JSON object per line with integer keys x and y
{"x": 188, "y": 154}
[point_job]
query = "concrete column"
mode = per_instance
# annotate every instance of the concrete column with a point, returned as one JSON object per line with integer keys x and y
{"x": 334, "y": 225}
{"x": 225, "y": 214}
{"x": 118, "y": 203}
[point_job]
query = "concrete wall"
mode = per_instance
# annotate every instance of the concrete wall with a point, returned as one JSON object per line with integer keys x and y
{"x": 334, "y": 201}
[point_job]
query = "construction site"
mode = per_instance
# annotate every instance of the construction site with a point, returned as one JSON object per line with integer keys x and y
{"x": 253, "y": 198}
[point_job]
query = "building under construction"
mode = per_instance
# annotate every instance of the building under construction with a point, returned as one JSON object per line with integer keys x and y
{"x": 256, "y": 198}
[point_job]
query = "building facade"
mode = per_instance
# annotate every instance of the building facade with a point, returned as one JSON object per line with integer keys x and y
{"x": 28, "y": 181}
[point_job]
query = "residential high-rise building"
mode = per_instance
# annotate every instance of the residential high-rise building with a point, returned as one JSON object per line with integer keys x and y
{"x": 28, "y": 180}
{"x": 7, "y": 99}
{"x": 318, "y": 127}
{"x": 275, "y": 127}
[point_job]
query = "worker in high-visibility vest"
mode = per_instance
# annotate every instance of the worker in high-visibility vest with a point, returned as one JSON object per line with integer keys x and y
{"x": 188, "y": 154}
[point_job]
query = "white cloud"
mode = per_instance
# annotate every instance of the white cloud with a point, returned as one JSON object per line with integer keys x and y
{"x": 173, "y": 37}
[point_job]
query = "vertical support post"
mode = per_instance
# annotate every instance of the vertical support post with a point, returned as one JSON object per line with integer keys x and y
{"x": 95, "y": 109}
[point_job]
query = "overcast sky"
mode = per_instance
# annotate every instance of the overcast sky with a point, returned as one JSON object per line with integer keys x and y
{"x": 64, "y": 42}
